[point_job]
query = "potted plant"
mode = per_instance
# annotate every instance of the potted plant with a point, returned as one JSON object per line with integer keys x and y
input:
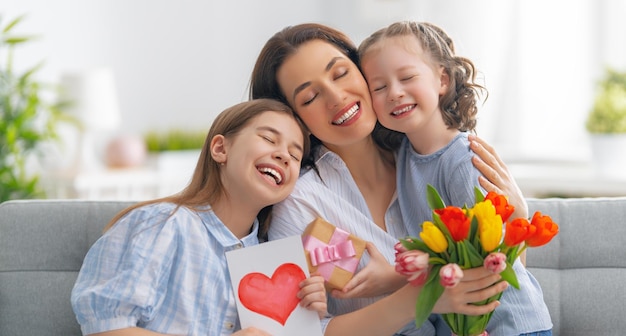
{"x": 27, "y": 121}
{"x": 606, "y": 124}
{"x": 175, "y": 151}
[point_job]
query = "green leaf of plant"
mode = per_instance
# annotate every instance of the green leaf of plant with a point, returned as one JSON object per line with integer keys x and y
{"x": 463, "y": 260}
{"x": 430, "y": 293}
{"x": 476, "y": 324}
{"x": 434, "y": 200}
{"x": 16, "y": 40}
{"x": 414, "y": 243}
{"x": 13, "y": 23}
{"x": 478, "y": 194}
{"x": 474, "y": 257}
{"x": 26, "y": 121}
{"x": 509, "y": 276}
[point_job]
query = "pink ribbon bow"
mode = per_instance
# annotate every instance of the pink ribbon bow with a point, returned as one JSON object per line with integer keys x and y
{"x": 338, "y": 252}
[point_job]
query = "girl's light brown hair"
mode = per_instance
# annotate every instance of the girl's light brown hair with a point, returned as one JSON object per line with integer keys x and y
{"x": 205, "y": 187}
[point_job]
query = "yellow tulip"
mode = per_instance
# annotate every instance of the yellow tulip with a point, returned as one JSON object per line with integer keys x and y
{"x": 433, "y": 237}
{"x": 489, "y": 225}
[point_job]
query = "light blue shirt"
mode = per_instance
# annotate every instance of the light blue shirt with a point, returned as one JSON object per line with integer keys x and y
{"x": 160, "y": 271}
{"x": 336, "y": 198}
{"x": 452, "y": 173}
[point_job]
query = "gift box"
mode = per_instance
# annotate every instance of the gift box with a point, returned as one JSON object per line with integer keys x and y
{"x": 332, "y": 252}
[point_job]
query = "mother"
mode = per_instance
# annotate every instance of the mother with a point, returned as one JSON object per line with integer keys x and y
{"x": 351, "y": 181}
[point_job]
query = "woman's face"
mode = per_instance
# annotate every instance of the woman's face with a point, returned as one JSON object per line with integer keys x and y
{"x": 329, "y": 93}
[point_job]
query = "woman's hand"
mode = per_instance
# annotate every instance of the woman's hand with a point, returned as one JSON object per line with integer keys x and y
{"x": 477, "y": 284}
{"x": 378, "y": 277}
{"x": 312, "y": 295}
{"x": 496, "y": 176}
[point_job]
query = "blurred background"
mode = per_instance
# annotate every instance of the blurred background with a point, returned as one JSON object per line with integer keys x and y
{"x": 174, "y": 65}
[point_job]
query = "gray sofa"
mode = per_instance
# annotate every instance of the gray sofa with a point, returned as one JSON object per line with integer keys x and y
{"x": 43, "y": 242}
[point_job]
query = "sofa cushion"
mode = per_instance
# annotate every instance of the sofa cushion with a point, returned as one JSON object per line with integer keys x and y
{"x": 42, "y": 246}
{"x": 583, "y": 269}
{"x": 43, "y": 243}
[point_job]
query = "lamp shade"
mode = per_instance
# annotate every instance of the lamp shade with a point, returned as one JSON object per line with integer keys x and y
{"x": 93, "y": 98}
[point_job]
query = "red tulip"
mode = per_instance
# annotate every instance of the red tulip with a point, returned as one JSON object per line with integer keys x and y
{"x": 503, "y": 208}
{"x": 457, "y": 222}
{"x": 546, "y": 230}
{"x": 518, "y": 231}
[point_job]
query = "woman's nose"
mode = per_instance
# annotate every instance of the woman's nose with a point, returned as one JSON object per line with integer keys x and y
{"x": 336, "y": 97}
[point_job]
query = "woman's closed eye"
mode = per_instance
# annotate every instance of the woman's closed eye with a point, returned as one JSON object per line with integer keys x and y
{"x": 340, "y": 74}
{"x": 310, "y": 100}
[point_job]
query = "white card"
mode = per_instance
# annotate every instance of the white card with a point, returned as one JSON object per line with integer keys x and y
{"x": 263, "y": 279}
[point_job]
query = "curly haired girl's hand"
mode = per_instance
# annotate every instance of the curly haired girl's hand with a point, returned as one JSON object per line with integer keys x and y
{"x": 477, "y": 284}
{"x": 496, "y": 176}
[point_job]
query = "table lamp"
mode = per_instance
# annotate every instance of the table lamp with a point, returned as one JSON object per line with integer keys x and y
{"x": 92, "y": 98}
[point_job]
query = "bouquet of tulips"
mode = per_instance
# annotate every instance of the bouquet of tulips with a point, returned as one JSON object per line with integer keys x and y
{"x": 462, "y": 238}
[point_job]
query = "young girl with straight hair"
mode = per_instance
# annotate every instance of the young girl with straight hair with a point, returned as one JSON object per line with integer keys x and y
{"x": 160, "y": 267}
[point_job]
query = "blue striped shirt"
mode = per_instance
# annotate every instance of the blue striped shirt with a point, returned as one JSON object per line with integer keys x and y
{"x": 452, "y": 173}
{"x": 164, "y": 273}
{"x": 336, "y": 198}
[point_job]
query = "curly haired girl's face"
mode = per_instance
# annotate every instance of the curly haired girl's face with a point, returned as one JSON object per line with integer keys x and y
{"x": 405, "y": 84}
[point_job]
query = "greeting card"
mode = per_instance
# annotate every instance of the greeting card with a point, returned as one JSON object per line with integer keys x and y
{"x": 265, "y": 279}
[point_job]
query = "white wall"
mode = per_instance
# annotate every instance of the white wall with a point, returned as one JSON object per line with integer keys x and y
{"x": 179, "y": 63}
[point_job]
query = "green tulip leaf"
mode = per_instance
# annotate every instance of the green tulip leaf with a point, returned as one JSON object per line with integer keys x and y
{"x": 434, "y": 200}
{"x": 478, "y": 194}
{"x": 430, "y": 293}
{"x": 509, "y": 276}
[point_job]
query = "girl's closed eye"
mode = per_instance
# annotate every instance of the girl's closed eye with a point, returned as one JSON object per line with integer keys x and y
{"x": 268, "y": 139}
{"x": 295, "y": 157}
{"x": 378, "y": 88}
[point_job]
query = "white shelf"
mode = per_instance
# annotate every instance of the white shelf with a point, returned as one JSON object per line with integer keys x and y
{"x": 568, "y": 179}
{"x": 116, "y": 184}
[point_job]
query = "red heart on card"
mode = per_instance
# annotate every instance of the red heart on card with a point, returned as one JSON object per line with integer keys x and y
{"x": 273, "y": 297}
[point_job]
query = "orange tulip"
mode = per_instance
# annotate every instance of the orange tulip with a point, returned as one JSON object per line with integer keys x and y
{"x": 546, "y": 230}
{"x": 503, "y": 208}
{"x": 518, "y": 231}
{"x": 456, "y": 221}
